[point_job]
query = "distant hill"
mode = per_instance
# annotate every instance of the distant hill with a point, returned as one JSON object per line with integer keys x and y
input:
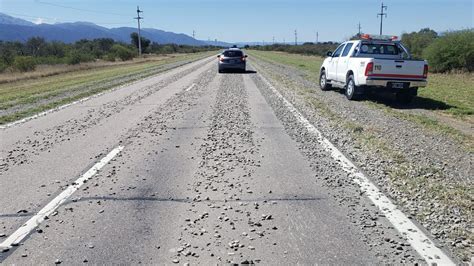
{"x": 15, "y": 29}
{"x": 8, "y": 20}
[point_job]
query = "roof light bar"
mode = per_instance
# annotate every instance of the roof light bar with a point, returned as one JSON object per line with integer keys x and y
{"x": 378, "y": 37}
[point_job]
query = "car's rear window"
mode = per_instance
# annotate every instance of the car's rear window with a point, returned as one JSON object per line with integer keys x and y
{"x": 233, "y": 53}
{"x": 375, "y": 48}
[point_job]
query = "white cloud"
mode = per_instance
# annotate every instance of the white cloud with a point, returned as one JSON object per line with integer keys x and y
{"x": 38, "y": 21}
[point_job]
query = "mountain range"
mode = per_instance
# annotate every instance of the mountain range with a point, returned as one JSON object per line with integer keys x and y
{"x": 16, "y": 29}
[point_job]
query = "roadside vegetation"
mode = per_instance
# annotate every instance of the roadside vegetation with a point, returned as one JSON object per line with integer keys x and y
{"x": 38, "y": 75}
{"x": 449, "y": 95}
{"x": 36, "y": 51}
{"x": 308, "y": 48}
{"x": 21, "y": 97}
{"x": 447, "y": 52}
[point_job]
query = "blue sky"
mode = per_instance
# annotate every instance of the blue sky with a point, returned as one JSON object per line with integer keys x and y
{"x": 254, "y": 20}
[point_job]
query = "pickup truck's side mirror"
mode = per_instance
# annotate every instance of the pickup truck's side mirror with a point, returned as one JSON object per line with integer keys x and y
{"x": 218, "y": 56}
{"x": 329, "y": 53}
{"x": 246, "y": 56}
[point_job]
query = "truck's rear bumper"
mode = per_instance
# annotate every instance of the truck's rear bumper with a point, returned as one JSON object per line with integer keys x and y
{"x": 386, "y": 82}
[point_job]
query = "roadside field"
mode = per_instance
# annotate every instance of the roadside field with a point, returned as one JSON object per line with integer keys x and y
{"x": 50, "y": 88}
{"x": 422, "y": 162}
{"x": 447, "y": 102}
{"x": 42, "y": 71}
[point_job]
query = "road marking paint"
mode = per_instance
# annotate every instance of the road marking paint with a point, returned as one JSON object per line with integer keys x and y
{"x": 26, "y": 119}
{"x": 35, "y": 221}
{"x": 417, "y": 239}
{"x": 191, "y": 87}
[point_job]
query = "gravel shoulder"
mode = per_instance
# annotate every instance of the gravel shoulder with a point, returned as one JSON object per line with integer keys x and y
{"x": 428, "y": 174}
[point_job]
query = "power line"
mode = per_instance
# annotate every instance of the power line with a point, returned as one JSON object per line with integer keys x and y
{"x": 138, "y": 18}
{"x": 381, "y": 14}
{"x": 79, "y": 9}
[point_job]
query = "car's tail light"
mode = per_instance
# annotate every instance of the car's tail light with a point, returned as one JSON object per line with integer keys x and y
{"x": 369, "y": 69}
{"x": 425, "y": 71}
{"x": 242, "y": 58}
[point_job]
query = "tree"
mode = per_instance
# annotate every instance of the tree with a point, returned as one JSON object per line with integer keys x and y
{"x": 122, "y": 52}
{"x": 104, "y": 44}
{"x": 35, "y": 46}
{"x": 454, "y": 50}
{"x": 144, "y": 41}
{"x": 416, "y": 42}
{"x": 56, "y": 49}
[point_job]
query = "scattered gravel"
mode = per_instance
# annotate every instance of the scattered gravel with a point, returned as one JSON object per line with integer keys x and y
{"x": 404, "y": 159}
{"x": 24, "y": 150}
{"x": 228, "y": 160}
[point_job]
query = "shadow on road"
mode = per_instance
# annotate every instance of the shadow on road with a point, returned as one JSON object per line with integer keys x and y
{"x": 239, "y": 72}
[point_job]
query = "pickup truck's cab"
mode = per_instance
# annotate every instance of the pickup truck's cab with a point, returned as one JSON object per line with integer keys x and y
{"x": 373, "y": 63}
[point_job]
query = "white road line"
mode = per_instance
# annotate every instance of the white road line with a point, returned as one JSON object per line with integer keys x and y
{"x": 35, "y": 221}
{"x": 417, "y": 239}
{"x": 191, "y": 87}
{"x": 26, "y": 119}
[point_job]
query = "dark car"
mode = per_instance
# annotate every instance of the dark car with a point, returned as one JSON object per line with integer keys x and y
{"x": 232, "y": 59}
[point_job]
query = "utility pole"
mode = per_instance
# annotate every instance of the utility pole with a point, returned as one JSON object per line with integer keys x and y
{"x": 382, "y": 14}
{"x": 194, "y": 34}
{"x": 273, "y": 40}
{"x": 317, "y": 37}
{"x": 138, "y": 18}
{"x": 360, "y": 28}
{"x": 296, "y": 38}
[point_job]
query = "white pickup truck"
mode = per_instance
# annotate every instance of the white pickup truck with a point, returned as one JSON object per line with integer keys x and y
{"x": 373, "y": 63}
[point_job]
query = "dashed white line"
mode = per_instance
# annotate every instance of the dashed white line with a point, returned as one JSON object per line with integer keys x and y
{"x": 415, "y": 236}
{"x": 35, "y": 221}
{"x": 191, "y": 87}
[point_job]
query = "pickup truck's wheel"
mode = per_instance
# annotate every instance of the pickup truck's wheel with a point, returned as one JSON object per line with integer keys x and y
{"x": 352, "y": 91}
{"x": 323, "y": 82}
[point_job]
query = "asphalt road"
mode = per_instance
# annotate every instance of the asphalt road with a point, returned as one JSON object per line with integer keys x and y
{"x": 200, "y": 169}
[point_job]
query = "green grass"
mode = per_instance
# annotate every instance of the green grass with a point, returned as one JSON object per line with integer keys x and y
{"x": 310, "y": 64}
{"x": 456, "y": 91}
{"x": 449, "y": 94}
{"x": 50, "y": 92}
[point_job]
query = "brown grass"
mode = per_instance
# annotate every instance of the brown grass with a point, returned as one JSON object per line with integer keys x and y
{"x": 52, "y": 70}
